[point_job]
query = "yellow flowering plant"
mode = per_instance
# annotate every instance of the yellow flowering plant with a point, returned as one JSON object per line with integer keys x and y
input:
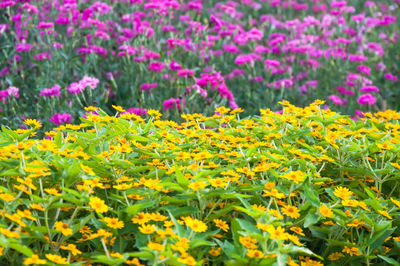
{"x": 306, "y": 187}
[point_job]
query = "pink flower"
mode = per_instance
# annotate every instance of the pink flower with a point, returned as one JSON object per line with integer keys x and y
{"x": 23, "y": 47}
{"x": 136, "y": 111}
{"x": 170, "y": 103}
{"x": 156, "y": 66}
{"x": 369, "y": 89}
{"x": 391, "y": 77}
{"x": 185, "y": 73}
{"x": 45, "y": 25}
{"x": 366, "y": 99}
{"x": 53, "y": 91}
{"x": 366, "y": 70}
{"x": 75, "y": 88}
{"x": 230, "y": 48}
{"x": 175, "y": 66}
{"x": 336, "y": 100}
{"x": 4, "y": 94}
{"x": 148, "y": 86}
{"x": 59, "y": 118}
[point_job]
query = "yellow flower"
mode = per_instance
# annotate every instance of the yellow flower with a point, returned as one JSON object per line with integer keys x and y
{"x": 154, "y": 113}
{"x": 215, "y": 251}
{"x": 147, "y": 229}
{"x": 116, "y": 255}
{"x": 278, "y": 233}
{"x": 352, "y": 251}
{"x": 134, "y": 261}
{"x": 56, "y": 259}
{"x": 36, "y": 207}
{"x": 221, "y": 224}
{"x": 396, "y": 202}
{"x": 114, "y": 223}
{"x": 222, "y": 110}
{"x": 264, "y": 227}
{"x": 275, "y": 213}
{"x": 325, "y": 211}
{"x": 295, "y": 176}
{"x": 90, "y": 108}
{"x": 297, "y": 230}
{"x": 34, "y": 260}
{"x": 291, "y": 211}
{"x": 254, "y": 253}
{"x": 335, "y": 256}
{"x": 9, "y": 233}
{"x": 6, "y": 197}
{"x": 1, "y": 251}
{"x": 350, "y": 203}
{"x": 294, "y": 239}
{"x": 63, "y": 228}
{"x": 386, "y": 214}
{"x": 218, "y": 182}
{"x": 196, "y": 225}
{"x": 72, "y": 248}
{"x": 187, "y": 260}
{"x": 343, "y": 193}
{"x": 141, "y": 218}
{"x": 248, "y": 242}
{"x": 155, "y": 246}
{"x": 197, "y": 185}
{"x": 356, "y": 223}
{"x": 52, "y": 191}
{"x": 98, "y": 205}
{"x": 33, "y": 122}
{"x": 274, "y": 193}
{"x": 118, "y": 108}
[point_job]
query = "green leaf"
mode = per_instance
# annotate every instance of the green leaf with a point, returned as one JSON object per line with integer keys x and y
{"x": 302, "y": 250}
{"x": 18, "y": 247}
{"x": 310, "y": 219}
{"x": 282, "y": 259}
{"x": 311, "y": 194}
{"x": 389, "y": 260}
{"x": 133, "y": 209}
{"x": 379, "y": 237}
{"x": 182, "y": 180}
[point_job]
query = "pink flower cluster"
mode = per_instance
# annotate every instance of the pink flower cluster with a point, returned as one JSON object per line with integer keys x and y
{"x": 53, "y": 91}
{"x": 61, "y": 118}
{"x": 172, "y": 103}
{"x": 12, "y": 91}
{"x": 78, "y": 87}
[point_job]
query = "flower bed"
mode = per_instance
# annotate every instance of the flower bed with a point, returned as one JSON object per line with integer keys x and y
{"x": 308, "y": 187}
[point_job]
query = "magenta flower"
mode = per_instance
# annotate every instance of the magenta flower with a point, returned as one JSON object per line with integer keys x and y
{"x": 170, "y": 103}
{"x": 366, "y": 70}
{"x": 136, "y": 111}
{"x": 185, "y": 73}
{"x": 53, "y": 91}
{"x": 366, "y": 99}
{"x": 156, "y": 66}
{"x": 230, "y": 48}
{"x": 45, "y": 25}
{"x": 175, "y": 66}
{"x": 148, "y": 86}
{"x": 23, "y": 47}
{"x": 336, "y": 100}
{"x": 4, "y": 94}
{"x": 391, "y": 77}
{"x": 369, "y": 89}
{"x": 59, "y": 118}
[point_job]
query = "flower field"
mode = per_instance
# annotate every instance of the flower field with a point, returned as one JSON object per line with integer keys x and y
{"x": 191, "y": 132}
{"x": 305, "y": 187}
